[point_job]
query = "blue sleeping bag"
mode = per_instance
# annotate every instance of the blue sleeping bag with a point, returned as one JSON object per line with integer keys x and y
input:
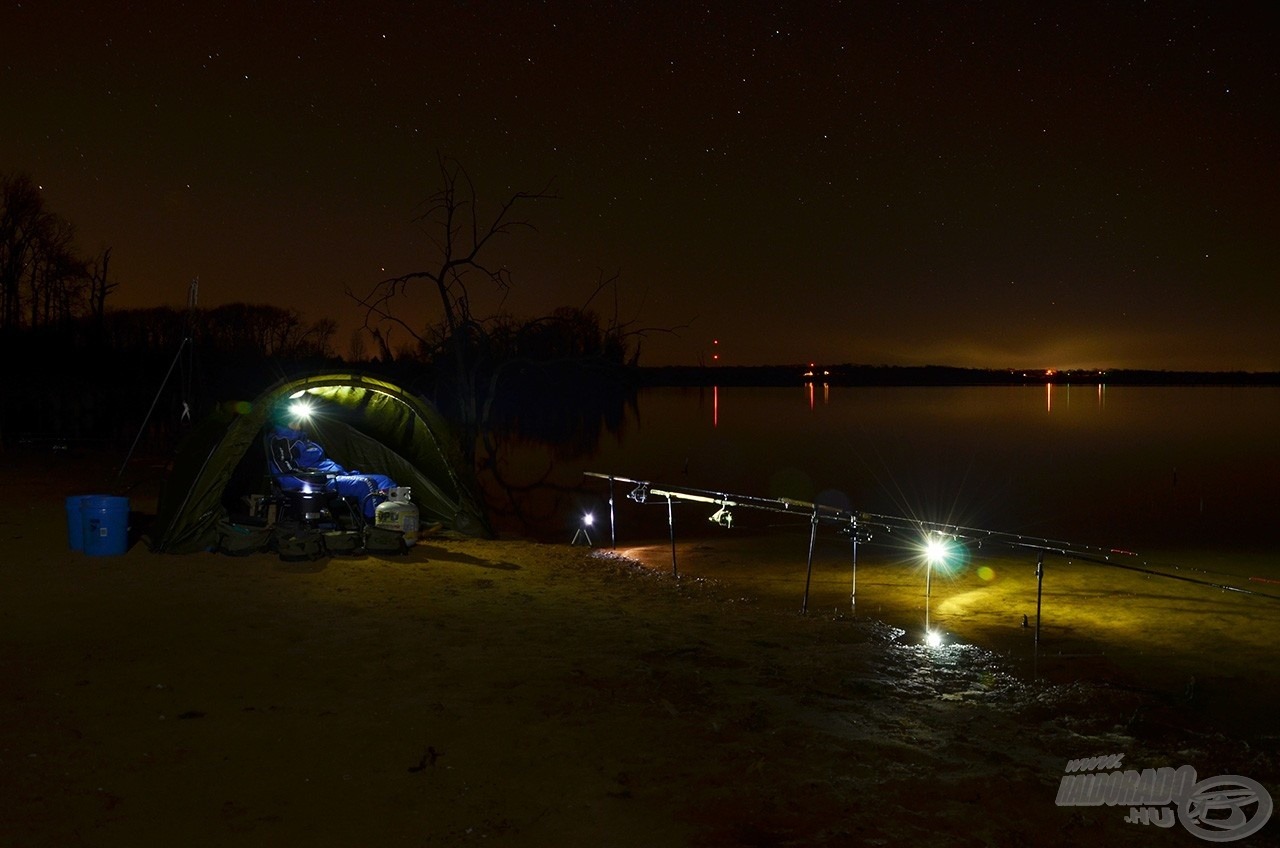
{"x": 300, "y": 465}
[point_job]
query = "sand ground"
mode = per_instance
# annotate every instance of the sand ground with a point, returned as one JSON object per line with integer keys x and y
{"x": 509, "y": 692}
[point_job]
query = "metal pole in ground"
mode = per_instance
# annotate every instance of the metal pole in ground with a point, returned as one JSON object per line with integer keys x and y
{"x": 1039, "y": 594}
{"x": 613, "y": 535}
{"x": 928, "y": 590}
{"x": 853, "y": 583}
{"x": 671, "y": 527}
{"x": 813, "y": 536}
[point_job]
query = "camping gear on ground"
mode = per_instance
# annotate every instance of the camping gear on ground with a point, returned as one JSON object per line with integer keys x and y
{"x": 384, "y": 540}
{"x": 399, "y": 513}
{"x": 362, "y": 422}
{"x": 343, "y": 541}
{"x": 297, "y": 542}
{"x": 98, "y": 524}
{"x": 242, "y": 540}
{"x": 292, "y": 541}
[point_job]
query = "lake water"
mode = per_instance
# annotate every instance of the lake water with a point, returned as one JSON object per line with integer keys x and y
{"x": 1188, "y": 478}
{"x": 1170, "y": 468}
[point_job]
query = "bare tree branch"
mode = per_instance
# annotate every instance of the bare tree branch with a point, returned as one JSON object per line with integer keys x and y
{"x": 459, "y": 234}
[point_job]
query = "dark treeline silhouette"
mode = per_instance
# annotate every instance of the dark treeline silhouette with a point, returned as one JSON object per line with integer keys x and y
{"x": 558, "y": 379}
{"x": 44, "y": 282}
{"x": 95, "y": 377}
{"x": 235, "y": 329}
{"x": 935, "y": 375}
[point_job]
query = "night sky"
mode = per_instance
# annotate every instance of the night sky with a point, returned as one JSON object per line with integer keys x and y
{"x": 988, "y": 184}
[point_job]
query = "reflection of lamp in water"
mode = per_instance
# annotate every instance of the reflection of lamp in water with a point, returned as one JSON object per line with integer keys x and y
{"x": 936, "y": 551}
{"x": 588, "y": 519}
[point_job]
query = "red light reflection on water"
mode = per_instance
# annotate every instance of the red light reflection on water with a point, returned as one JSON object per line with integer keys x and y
{"x": 812, "y": 393}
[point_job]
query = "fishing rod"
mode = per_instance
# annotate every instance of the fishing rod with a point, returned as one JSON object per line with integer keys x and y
{"x": 859, "y": 525}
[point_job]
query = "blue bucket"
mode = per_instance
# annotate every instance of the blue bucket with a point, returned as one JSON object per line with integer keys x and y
{"x": 105, "y": 525}
{"x": 75, "y": 523}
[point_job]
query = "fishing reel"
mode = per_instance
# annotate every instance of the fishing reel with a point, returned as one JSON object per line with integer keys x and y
{"x": 722, "y": 517}
{"x": 861, "y": 535}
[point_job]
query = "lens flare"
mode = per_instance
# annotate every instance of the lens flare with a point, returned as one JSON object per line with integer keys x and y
{"x": 936, "y": 550}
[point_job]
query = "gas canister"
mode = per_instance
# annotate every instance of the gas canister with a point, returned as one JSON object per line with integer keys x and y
{"x": 398, "y": 513}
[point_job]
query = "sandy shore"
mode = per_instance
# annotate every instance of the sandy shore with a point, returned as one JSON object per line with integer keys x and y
{"x": 528, "y": 694}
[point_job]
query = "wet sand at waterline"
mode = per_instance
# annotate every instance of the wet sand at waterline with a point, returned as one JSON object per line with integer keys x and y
{"x": 1209, "y": 647}
{"x": 509, "y": 692}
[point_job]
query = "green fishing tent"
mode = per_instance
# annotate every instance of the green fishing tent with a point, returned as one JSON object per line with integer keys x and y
{"x": 362, "y": 422}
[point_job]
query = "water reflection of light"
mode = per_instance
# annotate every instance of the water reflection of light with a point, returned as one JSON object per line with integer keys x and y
{"x": 715, "y": 406}
{"x": 812, "y": 394}
{"x": 1102, "y": 395}
{"x": 1048, "y": 397}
